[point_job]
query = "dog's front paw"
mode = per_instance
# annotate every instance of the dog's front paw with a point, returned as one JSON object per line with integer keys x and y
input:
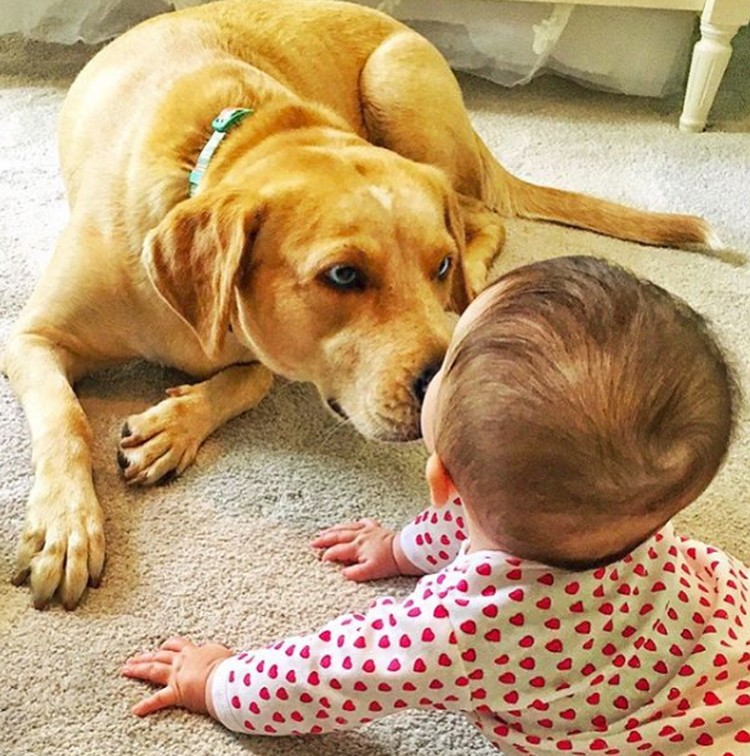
{"x": 62, "y": 544}
{"x": 162, "y": 441}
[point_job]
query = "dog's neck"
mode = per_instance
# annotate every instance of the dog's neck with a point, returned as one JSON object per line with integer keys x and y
{"x": 277, "y": 123}
{"x": 228, "y": 119}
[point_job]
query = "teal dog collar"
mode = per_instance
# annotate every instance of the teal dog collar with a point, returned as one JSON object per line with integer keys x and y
{"x": 222, "y": 124}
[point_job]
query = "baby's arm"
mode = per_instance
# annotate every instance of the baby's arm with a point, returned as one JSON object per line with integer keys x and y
{"x": 356, "y": 668}
{"x": 429, "y": 543}
{"x": 433, "y": 539}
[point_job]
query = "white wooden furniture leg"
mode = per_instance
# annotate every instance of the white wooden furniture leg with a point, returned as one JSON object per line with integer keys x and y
{"x": 710, "y": 58}
{"x": 720, "y": 21}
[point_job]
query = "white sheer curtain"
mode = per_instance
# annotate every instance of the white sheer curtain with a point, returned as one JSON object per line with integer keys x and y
{"x": 70, "y": 21}
{"x": 630, "y": 50}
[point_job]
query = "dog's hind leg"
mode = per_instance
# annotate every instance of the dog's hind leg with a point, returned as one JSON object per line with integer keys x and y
{"x": 413, "y": 105}
{"x": 164, "y": 439}
{"x": 62, "y": 543}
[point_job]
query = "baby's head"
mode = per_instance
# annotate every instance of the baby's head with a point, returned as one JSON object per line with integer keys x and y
{"x": 578, "y": 409}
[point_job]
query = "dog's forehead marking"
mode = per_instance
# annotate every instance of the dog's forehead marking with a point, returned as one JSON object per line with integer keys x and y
{"x": 383, "y": 196}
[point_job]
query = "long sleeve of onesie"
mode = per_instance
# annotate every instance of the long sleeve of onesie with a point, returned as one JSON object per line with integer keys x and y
{"x": 433, "y": 539}
{"x": 650, "y": 654}
{"x": 356, "y": 668}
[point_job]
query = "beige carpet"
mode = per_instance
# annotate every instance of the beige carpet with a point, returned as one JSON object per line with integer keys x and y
{"x": 222, "y": 553}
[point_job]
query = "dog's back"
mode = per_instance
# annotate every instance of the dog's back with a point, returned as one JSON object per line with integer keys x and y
{"x": 123, "y": 88}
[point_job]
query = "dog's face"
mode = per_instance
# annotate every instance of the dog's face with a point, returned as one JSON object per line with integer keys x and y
{"x": 334, "y": 267}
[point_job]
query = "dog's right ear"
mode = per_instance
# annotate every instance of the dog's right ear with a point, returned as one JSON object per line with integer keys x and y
{"x": 197, "y": 254}
{"x": 484, "y": 233}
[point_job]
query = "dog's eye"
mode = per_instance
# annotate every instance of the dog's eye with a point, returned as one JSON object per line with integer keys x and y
{"x": 444, "y": 267}
{"x": 345, "y": 277}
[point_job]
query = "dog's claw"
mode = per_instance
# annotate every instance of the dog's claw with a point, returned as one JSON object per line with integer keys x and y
{"x": 20, "y": 577}
{"x": 122, "y": 460}
{"x": 125, "y": 430}
{"x": 167, "y": 478}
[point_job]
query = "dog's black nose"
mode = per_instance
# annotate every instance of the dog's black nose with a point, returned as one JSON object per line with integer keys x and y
{"x": 419, "y": 387}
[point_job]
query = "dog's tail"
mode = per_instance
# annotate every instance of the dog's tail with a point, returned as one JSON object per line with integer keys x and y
{"x": 512, "y": 196}
{"x": 609, "y": 218}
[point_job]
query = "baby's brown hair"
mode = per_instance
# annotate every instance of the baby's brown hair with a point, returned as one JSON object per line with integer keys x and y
{"x": 581, "y": 409}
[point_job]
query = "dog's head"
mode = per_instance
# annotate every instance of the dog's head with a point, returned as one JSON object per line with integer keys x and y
{"x": 336, "y": 267}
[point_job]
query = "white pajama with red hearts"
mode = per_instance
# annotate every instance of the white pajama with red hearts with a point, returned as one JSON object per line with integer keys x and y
{"x": 648, "y": 655}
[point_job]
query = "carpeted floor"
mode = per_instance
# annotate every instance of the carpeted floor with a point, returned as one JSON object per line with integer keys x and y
{"x": 222, "y": 553}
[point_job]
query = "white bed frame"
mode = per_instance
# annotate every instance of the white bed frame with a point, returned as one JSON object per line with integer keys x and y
{"x": 720, "y": 21}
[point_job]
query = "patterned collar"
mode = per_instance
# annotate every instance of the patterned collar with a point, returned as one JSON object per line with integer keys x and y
{"x": 222, "y": 124}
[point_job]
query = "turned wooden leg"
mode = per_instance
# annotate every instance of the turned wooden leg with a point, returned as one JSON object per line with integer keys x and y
{"x": 710, "y": 58}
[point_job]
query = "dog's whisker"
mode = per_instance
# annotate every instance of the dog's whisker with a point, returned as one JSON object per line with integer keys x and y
{"x": 340, "y": 423}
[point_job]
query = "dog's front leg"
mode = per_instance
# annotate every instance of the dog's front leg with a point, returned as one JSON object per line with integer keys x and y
{"x": 165, "y": 438}
{"x": 62, "y": 543}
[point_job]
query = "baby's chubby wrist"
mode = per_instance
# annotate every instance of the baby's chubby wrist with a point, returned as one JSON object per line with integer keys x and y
{"x": 403, "y": 565}
{"x": 210, "y": 708}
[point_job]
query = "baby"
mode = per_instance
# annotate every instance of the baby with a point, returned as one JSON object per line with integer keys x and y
{"x": 577, "y": 410}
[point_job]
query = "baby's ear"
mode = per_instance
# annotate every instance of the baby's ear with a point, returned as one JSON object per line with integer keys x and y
{"x": 439, "y": 481}
{"x": 195, "y": 257}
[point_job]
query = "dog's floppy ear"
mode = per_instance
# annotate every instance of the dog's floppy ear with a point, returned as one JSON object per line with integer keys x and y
{"x": 460, "y": 295}
{"x": 484, "y": 236}
{"x": 195, "y": 257}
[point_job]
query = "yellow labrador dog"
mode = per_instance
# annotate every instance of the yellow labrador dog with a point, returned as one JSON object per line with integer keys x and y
{"x": 258, "y": 188}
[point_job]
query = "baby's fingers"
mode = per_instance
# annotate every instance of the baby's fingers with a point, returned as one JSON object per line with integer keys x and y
{"x": 149, "y": 670}
{"x": 342, "y": 552}
{"x": 166, "y": 657}
{"x": 176, "y": 643}
{"x": 162, "y": 699}
{"x": 363, "y": 572}
{"x": 337, "y": 534}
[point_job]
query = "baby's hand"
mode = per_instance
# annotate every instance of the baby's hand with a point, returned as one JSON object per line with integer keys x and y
{"x": 366, "y": 546}
{"x": 183, "y": 668}
{"x": 370, "y": 550}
